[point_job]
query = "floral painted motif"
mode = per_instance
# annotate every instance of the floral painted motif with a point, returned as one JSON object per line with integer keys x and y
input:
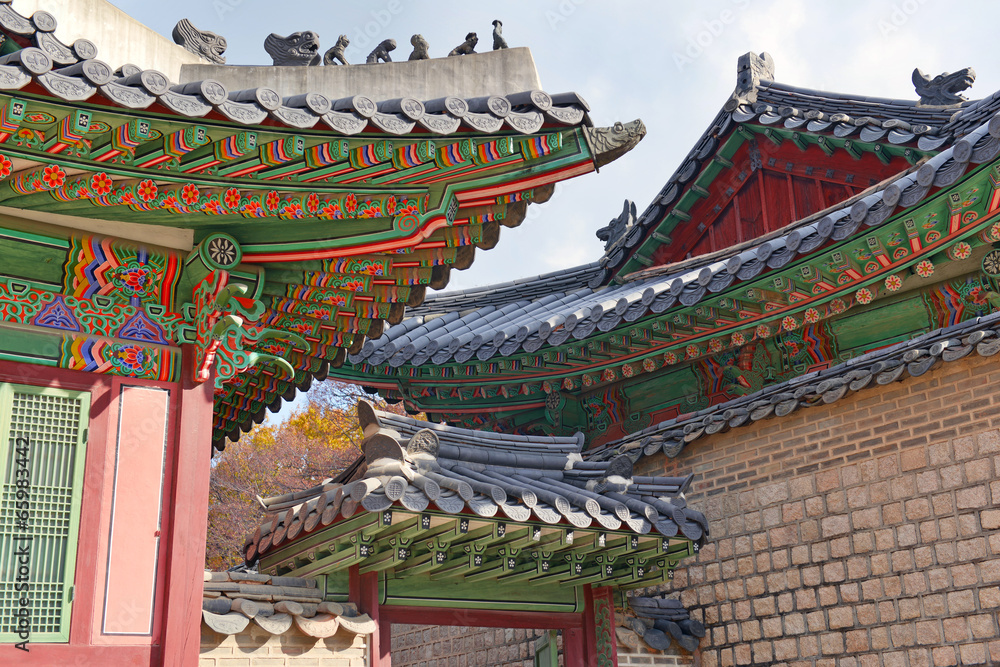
{"x": 893, "y": 283}
{"x": 293, "y": 211}
{"x": 190, "y": 194}
{"x": 788, "y": 323}
{"x": 101, "y": 184}
{"x": 351, "y": 203}
{"x": 649, "y": 364}
{"x": 132, "y": 360}
{"x": 312, "y": 203}
{"x": 146, "y": 190}
{"x": 587, "y": 380}
{"x": 232, "y": 198}
{"x": 838, "y": 306}
{"x": 53, "y": 176}
{"x": 960, "y": 251}
{"x": 609, "y": 375}
{"x": 925, "y": 269}
{"x": 812, "y": 316}
{"x": 272, "y": 201}
{"x": 670, "y": 358}
{"x": 692, "y": 351}
{"x": 135, "y": 279}
{"x": 763, "y": 331}
{"x": 714, "y": 345}
{"x": 864, "y": 296}
{"x": 739, "y": 339}
{"x": 5, "y": 166}
{"x": 627, "y": 370}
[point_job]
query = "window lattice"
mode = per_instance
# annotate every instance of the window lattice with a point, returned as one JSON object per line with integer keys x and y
{"x": 50, "y": 422}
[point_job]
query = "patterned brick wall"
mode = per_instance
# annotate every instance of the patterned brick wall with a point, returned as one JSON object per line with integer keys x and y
{"x": 431, "y": 646}
{"x": 858, "y": 533}
{"x": 256, "y": 648}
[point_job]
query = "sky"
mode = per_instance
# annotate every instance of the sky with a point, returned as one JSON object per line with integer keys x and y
{"x": 671, "y": 63}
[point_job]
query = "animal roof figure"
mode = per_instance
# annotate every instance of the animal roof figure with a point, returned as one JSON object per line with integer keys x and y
{"x": 420, "y": 48}
{"x": 336, "y": 53}
{"x": 944, "y": 89}
{"x": 467, "y": 47}
{"x": 299, "y": 48}
{"x": 381, "y": 52}
{"x": 202, "y": 43}
{"x": 498, "y": 41}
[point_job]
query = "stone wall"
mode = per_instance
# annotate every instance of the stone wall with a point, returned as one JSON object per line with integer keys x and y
{"x": 428, "y": 646}
{"x": 254, "y": 647}
{"x": 858, "y": 533}
{"x": 432, "y": 645}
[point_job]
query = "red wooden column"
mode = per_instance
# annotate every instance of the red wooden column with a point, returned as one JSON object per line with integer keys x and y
{"x": 598, "y": 627}
{"x": 575, "y": 647}
{"x": 192, "y": 461}
{"x": 363, "y": 591}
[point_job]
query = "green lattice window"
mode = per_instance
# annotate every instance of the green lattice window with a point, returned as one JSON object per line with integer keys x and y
{"x": 42, "y": 439}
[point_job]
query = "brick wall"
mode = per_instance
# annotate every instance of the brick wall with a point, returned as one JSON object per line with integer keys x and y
{"x": 858, "y": 533}
{"x": 432, "y": 646}
{"x": 647, "y": 657}
{"x": 256, "y": 648}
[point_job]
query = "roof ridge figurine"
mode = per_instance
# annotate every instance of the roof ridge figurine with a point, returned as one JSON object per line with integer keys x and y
{"x": 336, "y": 53}
{"x": 498, "y": 41}
{"x": 208, "y": 45}
{"x": 467, "y": 47}
{"x": 381, "y": 52}
{"x": 945, "y": 89}
{"x": 751, "y": 69}
{"x": 420, "y": 48}
{"x": 298, "y": 49}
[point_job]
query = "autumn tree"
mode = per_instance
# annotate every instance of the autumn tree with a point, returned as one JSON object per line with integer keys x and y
{"x": 314, "y": 444}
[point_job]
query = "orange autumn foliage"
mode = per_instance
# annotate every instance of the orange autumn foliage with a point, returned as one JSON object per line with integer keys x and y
{"x": 314, "y": 444}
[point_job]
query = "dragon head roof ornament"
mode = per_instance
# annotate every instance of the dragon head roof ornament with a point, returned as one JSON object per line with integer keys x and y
{"x": 609, "y": 143}
{"x": 619, "y": 227}
{"x": 944, "y": 89}
{"x": 299, "y": 48}
{"x": 202, "y": 43}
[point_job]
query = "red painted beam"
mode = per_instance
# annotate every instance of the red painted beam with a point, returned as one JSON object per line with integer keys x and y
{"x": 192, "y": 459}
{"x": 476, "y": 618}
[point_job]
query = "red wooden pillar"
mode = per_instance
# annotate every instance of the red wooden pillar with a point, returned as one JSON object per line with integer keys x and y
{"x": 189, "y": 525}
{"x": 363, "y": 591}
{"x": 598, "y": 627}
{"x": 574, "y": 647}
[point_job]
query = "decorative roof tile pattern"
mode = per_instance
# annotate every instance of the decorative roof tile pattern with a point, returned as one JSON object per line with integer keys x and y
{"x": 414, "y": 465}
{"x": 233, "y": 599}
{"x": 880, "y": 367}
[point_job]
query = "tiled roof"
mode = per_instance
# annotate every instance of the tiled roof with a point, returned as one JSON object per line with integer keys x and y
{"x": 575, "y": 311}
{"x": 501, "y": 294}
{"x": 880, "y": 367}
{"x": 415, "y": 464}
{"x": 233, "y": 599}
{"x": 769, "y": 103}
{"x": 72, "y": 73}
{"x": 659, "y": 621}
